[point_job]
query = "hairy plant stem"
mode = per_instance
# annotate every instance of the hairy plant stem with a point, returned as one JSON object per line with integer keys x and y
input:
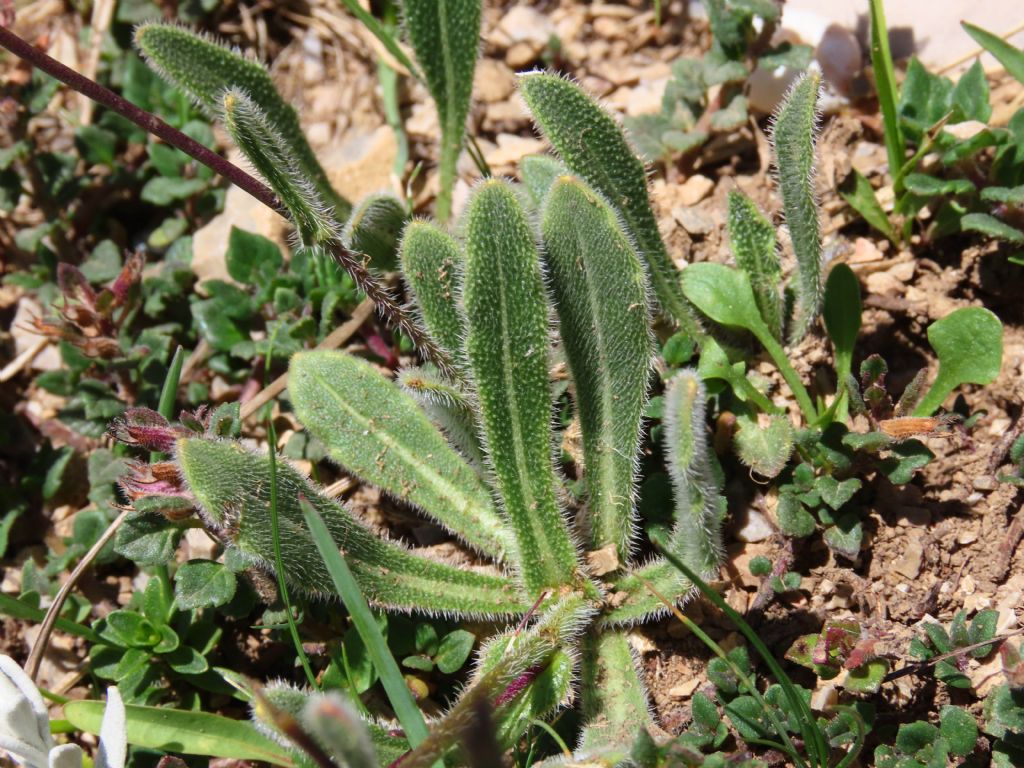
{"x": 387, "y": 305}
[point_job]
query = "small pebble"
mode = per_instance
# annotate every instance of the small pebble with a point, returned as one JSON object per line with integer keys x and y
{"x": 755, "y": 528}
{"x": 984, "y": 483}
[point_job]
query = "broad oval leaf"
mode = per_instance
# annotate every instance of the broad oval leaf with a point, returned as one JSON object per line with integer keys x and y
{"x": 969, "y": 345}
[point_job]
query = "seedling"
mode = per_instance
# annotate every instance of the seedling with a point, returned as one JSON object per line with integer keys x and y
{"x": 690, "y": 115}
{"x": 937, "y": 640}
{"x": 842, "y": 647}
{"x": 974, "y": 185}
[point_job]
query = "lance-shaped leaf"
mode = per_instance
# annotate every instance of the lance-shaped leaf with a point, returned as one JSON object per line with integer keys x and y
{"x": 600, "y": 293}
{"x": 697, "y": 534}
{"x": 594, "y": 147}
{"x": 523, "y": 674}
{"x": 232, "y": 486}
{"x": 432, "y": 264}
{"x": 614, "y": 697}
{"x": 796, "y": 124}
{"x": 376, "y": 431}
{"x": 842, "y": 321}
{"x": 753, "y": 246}
{"x": 266, "y": 149}
{"x": 450, "y": 408}
{"x": 969, "y": 345}
{"x": 374, "y": 228}
{"x": 538, "y": 173}
{"x": 507, "y": 348}
{"x": 446, "y": 37}
{"x": 205, "y": 69}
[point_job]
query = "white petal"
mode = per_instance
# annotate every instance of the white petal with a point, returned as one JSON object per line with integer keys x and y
{"x": 26, "y": 754}
{"x": 66, "y": 756}
{"x": 23, "y": 714}
{"x": 113, "y": 732}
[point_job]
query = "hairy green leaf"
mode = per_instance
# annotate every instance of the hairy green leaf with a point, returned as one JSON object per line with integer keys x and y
{"x": 276, "y": 162}
{"x": 377, "y": 432}
{"x": 753, "y": 246}
{"x": 205, "y": 70}
{"x": 232, "y": 485}
{"x": 538, "y": 173}
{"x": 374, "y": 228}
{"x": 600, "y": 293}
{"x": 615, "y": 708}
{"x": 446, "y": 37}
{"x": 697, "y": 535}
{"x": 765, "y": 448}
{"x": 793, "y": 140}
{"x": 507, "y": 348}
{"x": 432, "y": 264}
{"x": 594, "y": 147}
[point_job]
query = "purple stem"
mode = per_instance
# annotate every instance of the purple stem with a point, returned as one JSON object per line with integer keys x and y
{"x": 148, "y": 122}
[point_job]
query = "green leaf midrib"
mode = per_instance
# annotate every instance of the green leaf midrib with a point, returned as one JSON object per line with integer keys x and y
{"x": 525, "y": 486}
{"x": 434, "y": 480}
{"x": 600, "y": 441}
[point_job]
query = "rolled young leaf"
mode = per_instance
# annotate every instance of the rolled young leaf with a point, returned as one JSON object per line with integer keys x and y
{"x": 432, "y": 264}
{"x": 507, "y": 349}
{"x": 600, "y": 292}
{"x": 593, "y": 146}
{"x": 793, "y": 137}
{"x": 448, "y": 407}
{"x": 377, "y": 432}
{"x": 232, "y": 487}
{"x": 374, "y": 228}
{"x": 697, "y": 534}
{"x": 752, "y": 238}
{"x": 205, "y": 69}
{"x": 265, "y": 147}
{"x": 445, "y": 35}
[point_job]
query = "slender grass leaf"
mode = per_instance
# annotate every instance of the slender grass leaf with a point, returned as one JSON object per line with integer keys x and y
{"x": 1011, "y": 58}
{"x": 885, "y": 83}
{"x": 190, "y": 733}
{"x": 347, "y": 588}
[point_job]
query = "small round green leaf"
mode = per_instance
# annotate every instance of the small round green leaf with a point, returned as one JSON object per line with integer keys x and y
{"x": 203, "y": 584}
{"x": 454, "y": 650}
{"x": 959, "y": 728}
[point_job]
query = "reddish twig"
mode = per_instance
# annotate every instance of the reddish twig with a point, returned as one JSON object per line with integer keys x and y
{"x": 393, "y": 312}
{"x": 145, "y": 120}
